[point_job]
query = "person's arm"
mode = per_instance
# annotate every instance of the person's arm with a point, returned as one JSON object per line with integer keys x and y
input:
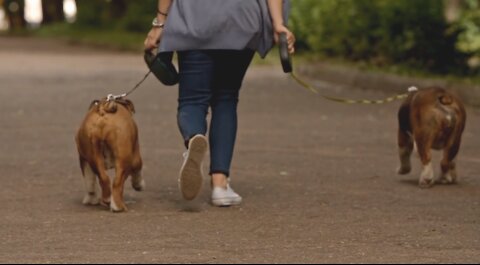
{"x": 153, "y": 37}
{"x": 276, "y": 12}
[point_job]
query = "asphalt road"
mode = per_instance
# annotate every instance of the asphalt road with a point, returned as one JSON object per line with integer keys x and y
{"x": 318, "y": 178}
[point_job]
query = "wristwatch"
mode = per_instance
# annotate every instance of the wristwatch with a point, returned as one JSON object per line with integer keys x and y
{"x": 157, "y": 24}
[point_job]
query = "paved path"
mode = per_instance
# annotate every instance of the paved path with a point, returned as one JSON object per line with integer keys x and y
{"x": 318, "y": 178}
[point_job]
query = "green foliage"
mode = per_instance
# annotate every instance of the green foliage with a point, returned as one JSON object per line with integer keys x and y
{"x": 382, "y": 32}
{"x": 334, "y": 27}
{"x": 408, "y": 33}
{"x": 139, "y": 15}
{"x": 469, "y": 25}
{"x": 92, "y": 14}
{"x": 103, "y": 14}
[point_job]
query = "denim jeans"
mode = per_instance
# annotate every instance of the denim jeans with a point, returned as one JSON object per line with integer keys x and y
{"x": 212, "y": 79}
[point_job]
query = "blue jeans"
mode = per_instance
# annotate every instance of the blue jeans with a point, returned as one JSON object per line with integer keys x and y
{"x": 212, "y": 79}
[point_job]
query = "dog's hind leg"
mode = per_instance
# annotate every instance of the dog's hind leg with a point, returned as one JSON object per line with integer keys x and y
{"x": 121, "y": 174}
{"x": 405, "y": 149}
{"x": 449, "y": 172}
{"x": 138, "y": 183}
{"x": 104, "y": 179}
{"x": 91, "y": 197}
{"x": 424, "y": 145}
{"x": 405, "y": 141}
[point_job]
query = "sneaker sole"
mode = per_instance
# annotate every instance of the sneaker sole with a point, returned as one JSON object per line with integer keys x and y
{"x": 225, "y": 202}
{"x": 191, "y": 174}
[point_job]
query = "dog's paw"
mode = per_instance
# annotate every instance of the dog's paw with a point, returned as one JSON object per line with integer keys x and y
{"x": 448, "y": 178}
{"x": 105, "y": 202}
{"x": 427, "y": 179}
{"x": 91, "y": 199}
{"x": 117, "y": 207}
{"x": 139, "y": 186}
{"x": 426, "y": 183}
{"x": 403, "y": 170}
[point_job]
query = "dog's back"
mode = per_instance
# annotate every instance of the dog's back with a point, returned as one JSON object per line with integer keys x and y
{"x": 107, "y": 127}
{"x": 433, "y": 118}
{"x": 437, "y": 113}
{"x": 108, "y": 138}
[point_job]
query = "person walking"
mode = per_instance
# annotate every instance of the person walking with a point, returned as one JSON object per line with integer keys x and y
{"x": 215, "y": 41}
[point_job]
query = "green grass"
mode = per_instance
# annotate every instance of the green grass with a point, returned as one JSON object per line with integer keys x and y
{"x": 400, "y": 70}
{"x": 110, "y": 39}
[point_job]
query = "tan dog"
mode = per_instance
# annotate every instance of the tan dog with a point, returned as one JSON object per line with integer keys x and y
{"x": 107, "y": 139}
{"x": 431, "y": 118}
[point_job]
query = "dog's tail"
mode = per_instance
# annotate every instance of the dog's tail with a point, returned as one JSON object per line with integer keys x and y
{"x": 445, "y": 99}
{"x": 110, "y": 106}
{"x": 102, "y": 107}
{"x": 444, "y": 103}
{"x": 107, "y": 107}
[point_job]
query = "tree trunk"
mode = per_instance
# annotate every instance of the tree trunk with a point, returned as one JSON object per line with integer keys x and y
{"x": 453, "y": 9}
{"x": 90, "y": 13}
{"x": 52, "y": 11}
{"x": 118, "y": 8}
{"x": 15, "y": 12}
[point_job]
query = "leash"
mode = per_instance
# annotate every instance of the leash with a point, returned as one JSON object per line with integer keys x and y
{"x": 287, "y": 68}
{"x": 112, "y": 97}
{"x": 351, "y": 101}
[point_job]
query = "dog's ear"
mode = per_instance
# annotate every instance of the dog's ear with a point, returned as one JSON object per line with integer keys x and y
{"x": 130, "y": 105}
{"x": 94, "y": 103}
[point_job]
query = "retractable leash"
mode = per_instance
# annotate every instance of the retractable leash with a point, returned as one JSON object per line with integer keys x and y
{"x": 286, "y": 60}
{"x": 111, "y": 97}
{"x": 161, "y": 66}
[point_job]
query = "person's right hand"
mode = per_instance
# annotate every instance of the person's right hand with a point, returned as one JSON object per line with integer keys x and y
{"x": 278, "y": 29}
{"x": 153, "y": 38}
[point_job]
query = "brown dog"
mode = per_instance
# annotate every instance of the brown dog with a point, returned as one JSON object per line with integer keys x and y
{"x": 107, "y": 139}
{"x": 431, "y": 118}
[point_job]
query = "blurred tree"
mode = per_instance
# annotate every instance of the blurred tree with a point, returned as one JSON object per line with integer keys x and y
{"x": 139, "y": 15}
{"x": 129, "y": 15}
{"x": 15, "y": 12}
{"x": 103, "y": 13}
{"x": 52, "y": 11}
{"x": 469, "y": 26}
{"x": 117, "y": 8}
{"x": 382, "y": 32}
{"x": 416, "y": 33}
{"x": 91, "y": 14}
{"x": 453, "y": 9}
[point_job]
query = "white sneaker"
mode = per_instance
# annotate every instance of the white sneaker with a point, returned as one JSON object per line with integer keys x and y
{"x": 191, "y": 175}
{"x": 225, "y": 197}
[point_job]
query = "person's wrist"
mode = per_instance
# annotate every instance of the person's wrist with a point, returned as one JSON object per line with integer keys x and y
{"x": 279, "y": 26}
{"x": 157, "y": 23}
{"x": 161, "y": 13}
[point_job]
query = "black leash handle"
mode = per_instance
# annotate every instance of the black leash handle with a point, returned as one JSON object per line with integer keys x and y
{"x": 162, "y": 67}
{"x": 286, "y": 60}
{"x": 284, "y": 54}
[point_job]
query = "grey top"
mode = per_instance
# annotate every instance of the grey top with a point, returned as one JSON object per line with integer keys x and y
{"x": 219, "y": 24}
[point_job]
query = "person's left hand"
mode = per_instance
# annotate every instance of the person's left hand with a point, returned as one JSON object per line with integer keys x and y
{"x": 153, "y": 38}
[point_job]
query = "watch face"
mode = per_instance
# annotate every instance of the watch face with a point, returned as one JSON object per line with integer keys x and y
{"x": 155, "y": 23}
